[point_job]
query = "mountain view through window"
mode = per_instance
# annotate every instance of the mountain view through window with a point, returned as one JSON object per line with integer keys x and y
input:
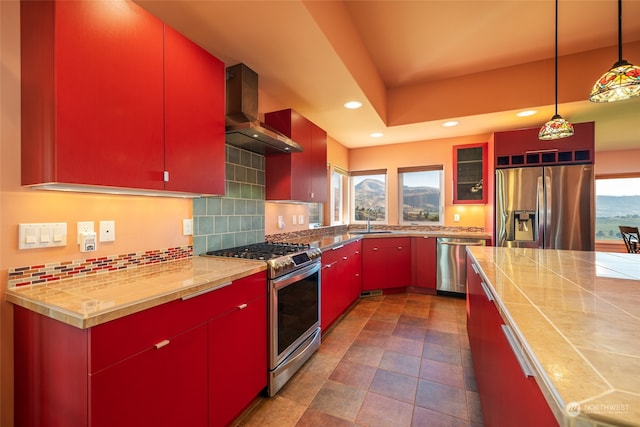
{"x": 421, "y": 195}
{"x": 369, "y": 198}
{"x": 617, "y": 203}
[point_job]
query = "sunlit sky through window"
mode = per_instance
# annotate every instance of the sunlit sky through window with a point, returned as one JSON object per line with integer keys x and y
{"x": 618, "y": 187}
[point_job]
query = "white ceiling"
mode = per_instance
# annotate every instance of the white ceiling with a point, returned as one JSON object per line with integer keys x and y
{"x": 313, "y": 56}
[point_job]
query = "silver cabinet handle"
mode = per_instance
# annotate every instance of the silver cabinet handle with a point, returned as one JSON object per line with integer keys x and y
{"x": 487, "y": 292}
{"x": 462, "y": 243}
{"x": 161, "y": 344}
{"x": 337, "y": 247}
{"x": 242, "y": 306}
{"x": 474, "y": 268}
{"x": 375, "y": 249}
{"x": 527, "y": 370}
{"x": 399, "y": 248}
{"x": 345, "y": 258}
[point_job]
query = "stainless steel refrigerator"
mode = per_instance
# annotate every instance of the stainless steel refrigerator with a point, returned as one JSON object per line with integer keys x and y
{"x": 550, "y": 207}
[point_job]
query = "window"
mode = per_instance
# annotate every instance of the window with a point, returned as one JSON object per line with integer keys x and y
{"x": 338, "y": 180}
{"x": 315, "y": 215}
{"x": 369, "y": 196}
{"x": 420, "y": 195}
{"x": 617, "y": 203}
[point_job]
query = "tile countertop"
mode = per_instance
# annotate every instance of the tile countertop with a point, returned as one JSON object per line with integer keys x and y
{"x": 91, "y": 300}
{"x": 329, "y": 241}
{"x": 577, "y": 317}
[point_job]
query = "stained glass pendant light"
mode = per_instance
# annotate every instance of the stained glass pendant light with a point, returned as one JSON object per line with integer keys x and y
{"x": 622, "y": 81}
{"x": 557, "y": 127}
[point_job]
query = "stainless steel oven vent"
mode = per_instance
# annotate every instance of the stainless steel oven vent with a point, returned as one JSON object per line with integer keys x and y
{"x": 243, "y": 129}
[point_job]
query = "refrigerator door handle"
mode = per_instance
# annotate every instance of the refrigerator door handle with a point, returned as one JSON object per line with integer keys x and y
{"x": 541, "y": 210}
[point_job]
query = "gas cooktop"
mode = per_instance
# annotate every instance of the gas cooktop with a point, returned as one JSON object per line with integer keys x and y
{"x": 261, "y": 251}
{"x": 281, "y": 258}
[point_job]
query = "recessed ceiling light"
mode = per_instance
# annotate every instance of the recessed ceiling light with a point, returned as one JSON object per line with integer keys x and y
{"x": 526, "y": 113}
{"x": 352, "y": 105}
{"x": 376, "y": 135}
{"x": 450, "y": 123}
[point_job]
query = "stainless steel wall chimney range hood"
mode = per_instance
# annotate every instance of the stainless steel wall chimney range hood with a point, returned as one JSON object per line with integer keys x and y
{"x": 243, "y": 128}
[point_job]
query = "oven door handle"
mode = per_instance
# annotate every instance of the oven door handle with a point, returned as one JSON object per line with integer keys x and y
{"x": 296, "y": 276}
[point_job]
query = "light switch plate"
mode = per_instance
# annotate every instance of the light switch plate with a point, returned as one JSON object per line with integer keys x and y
{"x": 42, "y": 235}
{"x": 187, "y": 227}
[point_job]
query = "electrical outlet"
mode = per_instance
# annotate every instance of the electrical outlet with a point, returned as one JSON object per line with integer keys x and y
{"x": 84, "y": 227}
{"x": 293, "y": 220}
{"x": 456, "y": 217}
{"x": 107, "y": 231}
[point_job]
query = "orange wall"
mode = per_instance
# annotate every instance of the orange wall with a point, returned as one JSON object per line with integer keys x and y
{"x": 614, "y": 162}
{"x": 433, "y": 152}
{"x": 288, "y": 211}
{"x": 141, "y": 222}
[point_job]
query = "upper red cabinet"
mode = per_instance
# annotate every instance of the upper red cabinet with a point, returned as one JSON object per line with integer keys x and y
{"x": 518, "y": 148}
{"x": 194, "y": 117}
{"x": 470, "y": 174}
{"x": 297, "y": 176}
{"x": 95, "y": 108}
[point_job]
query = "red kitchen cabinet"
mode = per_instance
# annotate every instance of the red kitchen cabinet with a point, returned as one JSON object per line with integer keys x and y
{"x": 508, "y": 397}
{"x": 167, "y": 365}
{"x": 340, "y": 273}
{"x": 194, "y": 117}
{"x": 332, "y": 282}
{"x": 470, "y": 174}
{"x": 238, "y": 355}
{"x": 93, "y": 100}
{"x": 386, "y": 263}
{"x": 159, "y": 386}
{"x": 522, "y": 147}
{"x": 356, "y": 269}
{"x": 423, "y": 251}
{"x": 297, "y": 176}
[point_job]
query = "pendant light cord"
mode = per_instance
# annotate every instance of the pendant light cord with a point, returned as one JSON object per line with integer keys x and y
{"x": 619, "y": 30}
{"x": 556, "y": 41}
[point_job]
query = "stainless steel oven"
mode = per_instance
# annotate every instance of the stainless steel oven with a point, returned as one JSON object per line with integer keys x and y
{"x": 294, "y": 284}
{"x": 294, "y": 322}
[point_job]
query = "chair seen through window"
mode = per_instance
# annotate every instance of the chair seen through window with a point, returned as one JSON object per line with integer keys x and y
{"x": 631, "y": 238}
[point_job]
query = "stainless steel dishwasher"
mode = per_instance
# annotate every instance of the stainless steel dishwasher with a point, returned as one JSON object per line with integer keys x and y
{"x": 451, "y": 256}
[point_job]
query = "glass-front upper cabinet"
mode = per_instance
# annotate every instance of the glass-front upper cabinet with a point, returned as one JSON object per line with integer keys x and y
{"x": 470, "y": 174}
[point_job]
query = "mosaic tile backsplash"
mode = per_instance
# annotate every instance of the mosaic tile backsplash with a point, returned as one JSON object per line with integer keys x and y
{"x": 237, "y": 218}
{"x": 33, "y": 274}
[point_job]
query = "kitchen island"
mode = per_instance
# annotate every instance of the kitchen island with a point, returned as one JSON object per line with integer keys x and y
{"x": 575, "y": 316}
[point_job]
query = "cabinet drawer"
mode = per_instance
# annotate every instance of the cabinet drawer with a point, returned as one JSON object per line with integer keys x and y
{"x": 387, "y": 242}
{"x": 113, "y": 341}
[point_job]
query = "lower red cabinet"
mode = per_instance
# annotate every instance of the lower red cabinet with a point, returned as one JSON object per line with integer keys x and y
{"x": 237, "y": 360}
{"x": 340, "y": 281}
{"x": 355, "y": 269}
{"x": 386, "y": 263}
{"x": 159, "y": 386}
{"x": 424, "y": 263}
{"x": 508, "y": 396}
{"x": 194, "y": 362}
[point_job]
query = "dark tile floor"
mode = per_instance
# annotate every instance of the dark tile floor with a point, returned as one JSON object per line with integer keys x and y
{"x": 394, "y": 360}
